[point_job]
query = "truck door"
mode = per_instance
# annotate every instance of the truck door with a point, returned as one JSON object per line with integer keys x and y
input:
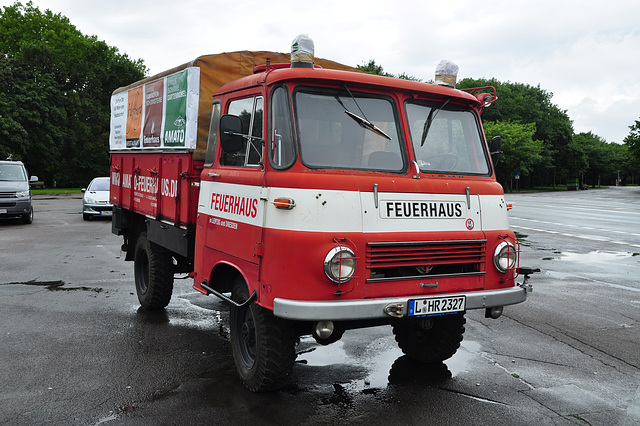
{"x": 231, "y": 189}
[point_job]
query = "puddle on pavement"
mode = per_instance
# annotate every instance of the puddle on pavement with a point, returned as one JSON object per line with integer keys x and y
{"x": 598, "y": 256}
{"x": 56, "y": 286}
{"x": 383, "y": 363}
{"x": 388, "y": 366}
{"x": 182, "y": 313}
{"x": 522, "y": 238}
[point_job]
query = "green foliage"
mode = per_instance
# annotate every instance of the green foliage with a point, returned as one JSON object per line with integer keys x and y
{"x": 372, "y": 68}
{"x": 632, "y": 142}
{"x": 522, "y": 103}
{"x": 520, "y": 151}
{"x": 603, "y": 160}
{"x": 55, "y": 89}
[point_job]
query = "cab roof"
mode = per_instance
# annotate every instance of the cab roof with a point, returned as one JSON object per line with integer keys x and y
{"x": 278, "y": 73}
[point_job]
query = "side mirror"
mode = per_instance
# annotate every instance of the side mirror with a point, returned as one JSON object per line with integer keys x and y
{"x": 83, "y": 190}
{"x": 231, "y": 139}
{"x": 494, "y": 149}
{"x": 33, "y": 179}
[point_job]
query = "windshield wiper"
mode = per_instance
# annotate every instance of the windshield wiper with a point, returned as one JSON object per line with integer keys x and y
{"x": 367, "y": 124}
{"x": 363, "y": 122}
{"x": 430, "y": 118}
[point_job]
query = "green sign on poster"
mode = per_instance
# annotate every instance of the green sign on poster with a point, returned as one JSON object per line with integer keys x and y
{"x": 175, "y": 127}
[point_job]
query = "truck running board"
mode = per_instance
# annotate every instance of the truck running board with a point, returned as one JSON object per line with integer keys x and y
{"x": 250, "y": 300}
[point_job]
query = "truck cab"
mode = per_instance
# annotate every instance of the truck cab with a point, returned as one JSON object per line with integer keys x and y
{"x": 336, "y": 200}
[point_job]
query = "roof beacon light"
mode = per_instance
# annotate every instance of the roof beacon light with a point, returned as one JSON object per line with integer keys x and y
{"x": 447, "y": 73}
{"x": 302, "y": 51}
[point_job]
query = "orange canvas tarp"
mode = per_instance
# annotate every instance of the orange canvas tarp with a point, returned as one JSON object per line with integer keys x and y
{"x": 219, "y": 69}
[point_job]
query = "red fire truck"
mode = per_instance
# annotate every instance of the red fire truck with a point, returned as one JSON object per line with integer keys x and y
{"x": 313, "y": 199}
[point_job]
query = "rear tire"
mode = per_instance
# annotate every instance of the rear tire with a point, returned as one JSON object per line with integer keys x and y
{"x": 436, "y": 344}
{"x": 263, "y": 345}
{"x": 153, "y": 270}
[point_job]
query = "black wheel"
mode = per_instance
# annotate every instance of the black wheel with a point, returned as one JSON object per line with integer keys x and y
{"x": 27, "y": 218}
{"x": 263, "y": 345}
{"x": 86, "y": 216}
{"x": 433, "y": 344}
{"x": 153, "y": 270}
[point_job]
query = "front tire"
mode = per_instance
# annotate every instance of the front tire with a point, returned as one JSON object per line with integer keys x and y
{"x": 435, "y": 344}
{"x": 27, "y": 218}
{"x": 263, "y": 345}
{"x": 153, "y": 270}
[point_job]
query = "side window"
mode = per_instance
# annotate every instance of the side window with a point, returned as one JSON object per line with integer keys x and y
{"x": 255, "y": 144}
{"x": 282, "y": 153}
{"x": 250, "y": 111}
{"x": 213, "y": 135}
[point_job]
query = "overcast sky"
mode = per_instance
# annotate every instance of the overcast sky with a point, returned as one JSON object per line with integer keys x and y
{"x": 587, "y": 52}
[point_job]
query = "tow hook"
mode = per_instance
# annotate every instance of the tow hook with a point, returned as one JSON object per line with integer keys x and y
{"x": 525, "y": 272}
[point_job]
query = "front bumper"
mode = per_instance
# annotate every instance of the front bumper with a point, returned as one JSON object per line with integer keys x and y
{"x": 15, "y": 206}
{"x": 346, "y": 310}
{"x": 97, "y": 209}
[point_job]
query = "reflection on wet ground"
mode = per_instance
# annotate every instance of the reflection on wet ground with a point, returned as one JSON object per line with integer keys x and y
{"x": 522, "y": 239}
{"x": 335, "y": 375}
{"x": 388, "y": 366}
{"x": 598, "y": 256}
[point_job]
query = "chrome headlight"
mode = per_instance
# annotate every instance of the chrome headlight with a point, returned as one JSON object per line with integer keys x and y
{"x": 505, "y": 257}
{"x": 340, "y": 264}
{"x": 22, "y": 194}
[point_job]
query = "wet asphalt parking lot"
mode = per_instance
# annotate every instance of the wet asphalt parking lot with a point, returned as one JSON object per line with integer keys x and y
{"x": 76, "y": 349}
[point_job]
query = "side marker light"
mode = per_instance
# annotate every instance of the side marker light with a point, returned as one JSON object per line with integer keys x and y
{"x": 284, "y": 203}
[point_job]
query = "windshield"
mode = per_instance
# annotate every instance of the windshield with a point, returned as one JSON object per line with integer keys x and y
{"x": 446, "y": 140}
{"x": 12, "y": 173}
{"x": 341, "y": 130}
{"x": 101, "y": 184}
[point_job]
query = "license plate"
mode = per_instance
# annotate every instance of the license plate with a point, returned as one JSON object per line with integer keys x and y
{"x": 106, "y": 213}
{"x": 436, "y": 305}
{"x": 3, "y": 211}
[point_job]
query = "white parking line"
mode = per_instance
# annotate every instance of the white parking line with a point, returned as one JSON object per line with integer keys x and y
{"x": 570, "y": 225}
{"x": 583, "y": 237}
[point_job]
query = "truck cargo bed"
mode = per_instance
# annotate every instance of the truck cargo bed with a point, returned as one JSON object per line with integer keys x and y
{"x": 159, "y": 185}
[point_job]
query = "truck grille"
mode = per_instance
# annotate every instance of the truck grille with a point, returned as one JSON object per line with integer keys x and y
{"x": 418, "y": 259}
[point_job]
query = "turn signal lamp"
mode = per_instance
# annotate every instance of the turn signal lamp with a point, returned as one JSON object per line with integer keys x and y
{"x": 284, "y": 203}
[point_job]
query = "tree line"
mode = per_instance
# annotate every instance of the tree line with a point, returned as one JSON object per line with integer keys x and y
{"x": 56, "y": 85}
{"x": 55, "y": 92}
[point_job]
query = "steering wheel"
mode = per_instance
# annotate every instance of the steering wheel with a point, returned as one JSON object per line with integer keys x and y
{"x": 447, "y": 161}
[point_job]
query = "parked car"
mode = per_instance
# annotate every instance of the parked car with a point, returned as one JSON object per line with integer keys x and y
{"x": 96, "y": 199}
{"x": 15, "y": 195}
